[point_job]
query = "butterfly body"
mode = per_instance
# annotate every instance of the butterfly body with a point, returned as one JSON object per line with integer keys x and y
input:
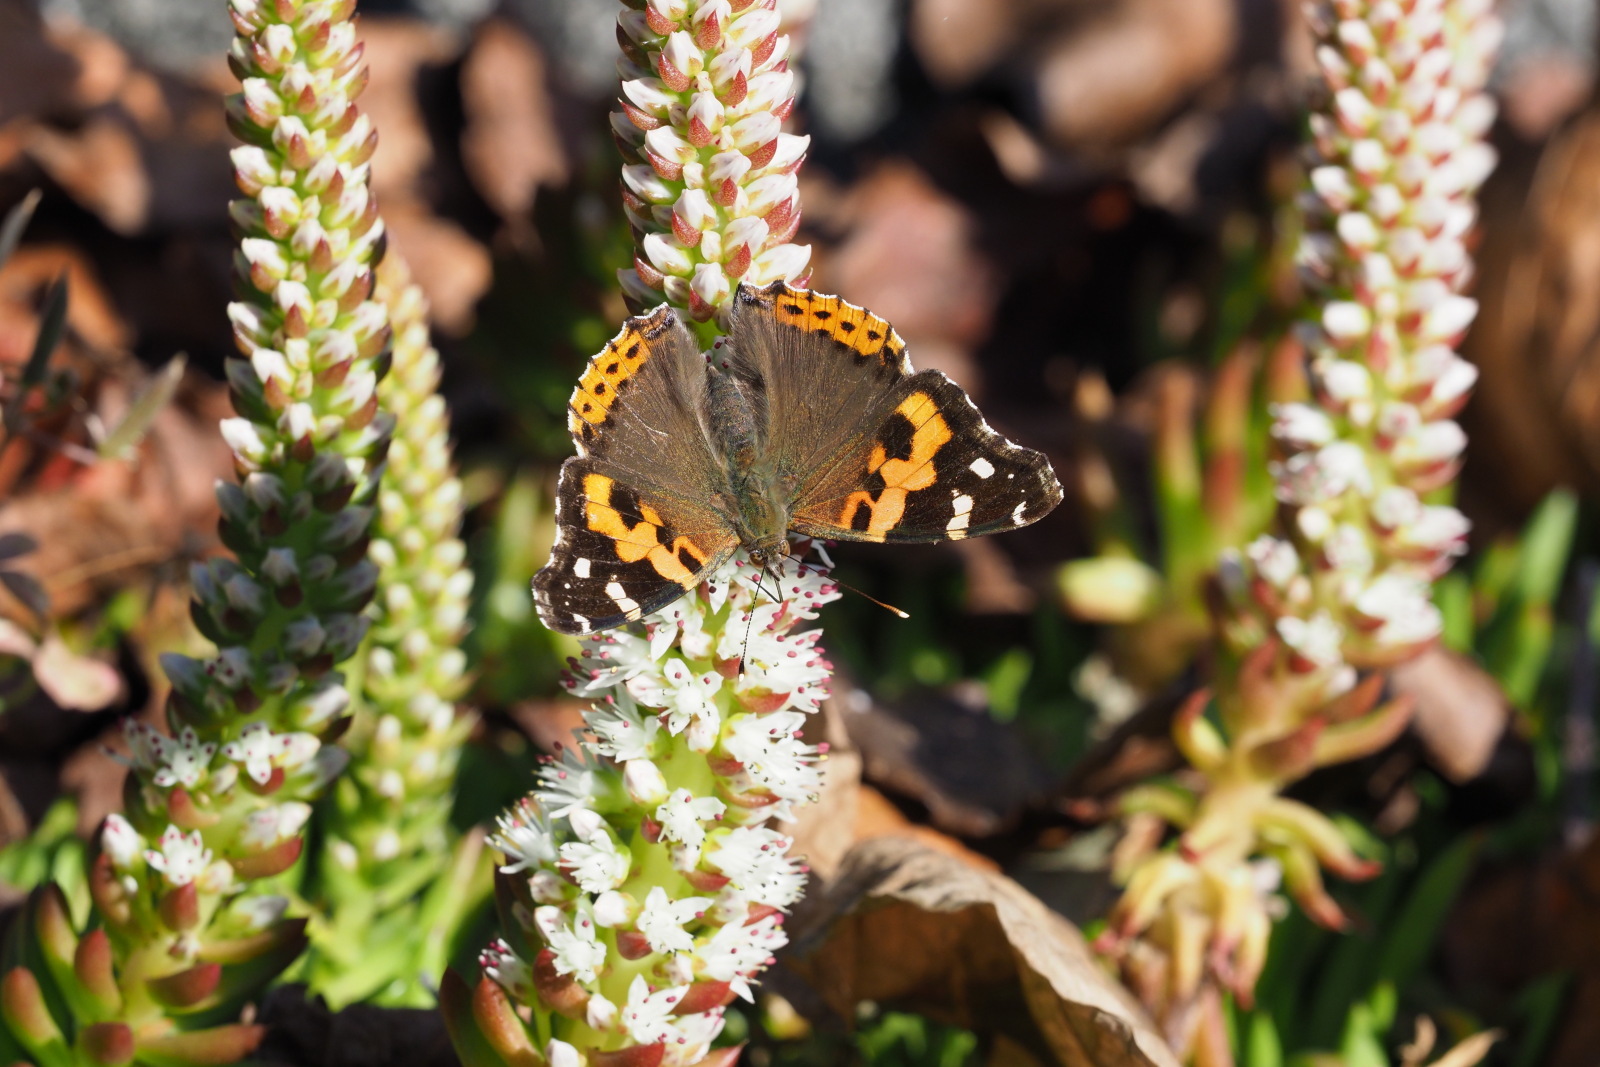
{"x": 807, "y": 419}
{"x": 752, "y": 496}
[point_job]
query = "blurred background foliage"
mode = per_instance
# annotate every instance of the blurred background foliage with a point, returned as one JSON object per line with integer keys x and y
{"x": 1079, "y": 209}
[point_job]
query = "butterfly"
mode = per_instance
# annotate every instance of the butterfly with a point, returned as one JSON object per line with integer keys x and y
{"x": 806, "y": 418}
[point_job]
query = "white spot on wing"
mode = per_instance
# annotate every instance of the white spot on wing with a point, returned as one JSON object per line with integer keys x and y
{"x": 1016, "y": 512}
{"x": 583, "y": 623}
{"x": 625, "y": 604}
{"x": 957, "y": 526}
{"x": 981, "y": 467}
{"x": 580, "y": 567}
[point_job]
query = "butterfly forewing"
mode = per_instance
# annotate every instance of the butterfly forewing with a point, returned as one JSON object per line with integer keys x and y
{"x": 820, "y": 366}
{"x": 636, "y": 520}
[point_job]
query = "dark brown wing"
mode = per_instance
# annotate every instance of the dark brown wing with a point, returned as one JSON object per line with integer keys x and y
{"x": 637, "y": 516}
{"x": 929, "y": 470}
{"x": 872, "y": 450}
{"x": 816, "y": 368}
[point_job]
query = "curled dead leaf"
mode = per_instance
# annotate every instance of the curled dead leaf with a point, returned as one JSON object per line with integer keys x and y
{"x": 75, "y": 682}
{"x": 1460, "y": 711}
{"x": 510, "y": 144}
{"x": 905, "y": 925}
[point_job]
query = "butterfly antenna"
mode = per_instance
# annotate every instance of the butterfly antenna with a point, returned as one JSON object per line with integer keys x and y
{"x": 885, "y": 606}
{"x": 749, "y": 621}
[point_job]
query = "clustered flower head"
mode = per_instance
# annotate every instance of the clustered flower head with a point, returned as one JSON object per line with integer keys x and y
{"x": 1345, "y": 584}
{"x": 1396, "y": 158}
{"x": 709, "y": 176}
{"x": 221, "y": 800}
{"x": 643, "y": 889}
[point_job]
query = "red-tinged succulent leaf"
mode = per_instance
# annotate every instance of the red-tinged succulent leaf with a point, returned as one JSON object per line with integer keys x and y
{"x": 24, "y": 1012}
{"x": 722, "y": 1057}
{"x": 273, "y": 861}
{"x": 110, "y": 898}
{"x": 52, "y": 925}
{"x": 189, "y": 988}
{"x": 184, "y": 813}
{"x": 247, "y": 977}
{"x": 288, "y": 937}
{"x": 1292, "y": 756}
{"x": 637, "y": 1056}
{"x": 1362, "y": 737}
{"x": 216, "y": 1047}
{"x": 466, "y": 1037}
{"x": 632, "y": 945}
{"x": 93, "y": 966}
{"x": 559, "y": 992}
{"x": 703, "y": 996}
{"x": 107, "y": 1044}
{"x": 497, "y": 1021}
{"x": 180, "y": 908}
{"x": 903, "y": 923}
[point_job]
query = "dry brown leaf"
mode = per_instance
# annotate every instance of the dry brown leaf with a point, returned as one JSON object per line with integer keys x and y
{"x": 34, "y": 75}
{"x": 453, "y": 270}
{"x": 1113, "y": 79}
{"x": 876, "y": 817}
{"x": 397, "y": 51}
{"x": 100, "y": 166}
{"x": 75, "y": 682}
{"x": 1460, "y": 714}
{"x": 975, "y": 776}
{"x": 905, "y": 925}
{"x": 1535, "y": 416}
{"x": 510, "y": 144}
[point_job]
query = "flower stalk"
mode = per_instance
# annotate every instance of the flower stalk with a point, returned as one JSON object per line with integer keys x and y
{"x": 643, "y": 888}
{"x": 185, "y": 925}
{"x": 1343, "y": 586}
{"x": 384, "y": 929}
{"x": 709, "y": 177}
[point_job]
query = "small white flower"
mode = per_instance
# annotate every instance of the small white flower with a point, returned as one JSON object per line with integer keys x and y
{"x": 621, "y": 732}
{"x": 180, "y": 857}
{"x": 524, "y": 834}
{"x": 501, "y": 963}
{"x": 121, "y": 841}
{"x": 682, "y": 694}
{"x": 662, "y": 919}
{"x": 576, "y": 951}
{"x": 595, "y": 862}
{"x": 255, "y": 748}
{"x": 683, "y": 817}
{"x": 569, "y": 785}
{"x": 1275, "y": 560}
{"x": 773, "y": 755}
{"x": 1317, "y": 639}
{"x": 646, "y": 1017}
{"x": 757, "y": 862}
{"x": 737, "y": 951}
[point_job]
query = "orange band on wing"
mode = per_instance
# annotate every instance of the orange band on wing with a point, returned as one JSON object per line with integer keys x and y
{"x": 641, "y": 541}
{"x": 901, "y": 477}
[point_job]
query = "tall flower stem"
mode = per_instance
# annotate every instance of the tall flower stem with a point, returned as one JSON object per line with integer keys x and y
{"x": 643, "y": 889}
{"x": 186, "y": 921}
{"x": 1344, "y": 585}
{"x": 389, "y": 891}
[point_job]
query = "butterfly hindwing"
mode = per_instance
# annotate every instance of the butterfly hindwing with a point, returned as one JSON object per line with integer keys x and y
{"x": 619, "y": 553}
{"x": 930, "y": 469}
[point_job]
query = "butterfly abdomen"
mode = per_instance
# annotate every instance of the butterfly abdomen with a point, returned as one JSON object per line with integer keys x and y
{"x": 732, "y": 422}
